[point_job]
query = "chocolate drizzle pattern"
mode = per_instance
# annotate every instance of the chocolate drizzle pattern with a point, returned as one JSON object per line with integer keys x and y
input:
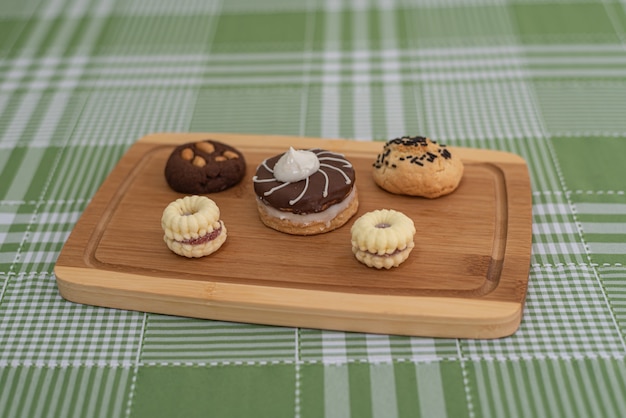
{"x": 329, "y": 185}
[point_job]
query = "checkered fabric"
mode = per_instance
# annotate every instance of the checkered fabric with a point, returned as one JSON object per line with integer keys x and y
{"x": 81, "y": 80}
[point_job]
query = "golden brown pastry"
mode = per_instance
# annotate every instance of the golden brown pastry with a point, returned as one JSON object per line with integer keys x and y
{"x": 417, "y": 166}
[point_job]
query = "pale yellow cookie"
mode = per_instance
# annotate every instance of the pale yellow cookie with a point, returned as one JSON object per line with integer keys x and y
{"x": 417, "y": 166}
{"x": 193, "y": 227}
{"x": 383, "y": 238}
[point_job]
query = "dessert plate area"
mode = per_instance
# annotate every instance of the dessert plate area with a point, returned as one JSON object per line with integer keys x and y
{"x": 466, "y": 277}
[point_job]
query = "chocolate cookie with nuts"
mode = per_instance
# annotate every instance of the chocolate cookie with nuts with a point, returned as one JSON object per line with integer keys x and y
{"x": 204, "y": 167}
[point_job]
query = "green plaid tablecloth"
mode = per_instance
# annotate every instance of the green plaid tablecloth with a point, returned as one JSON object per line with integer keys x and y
{"x": 81, "y": 80}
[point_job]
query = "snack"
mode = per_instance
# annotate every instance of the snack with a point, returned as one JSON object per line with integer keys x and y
{"x": 306, "y": 192}
{"x": 193, "y": 227}
{"x": 417, "y": 166}
{"x": 204, "y": 167}
{"x": 382, "y": 238}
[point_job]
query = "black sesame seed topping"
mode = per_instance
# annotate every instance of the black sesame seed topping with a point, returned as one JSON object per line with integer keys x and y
{"x": 411, "y": 141}
{"x": 421, "y": 143}
{"x": 416, "y": 160}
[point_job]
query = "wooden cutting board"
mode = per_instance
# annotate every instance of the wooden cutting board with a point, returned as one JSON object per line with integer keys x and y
{"x": 466, "y": 278}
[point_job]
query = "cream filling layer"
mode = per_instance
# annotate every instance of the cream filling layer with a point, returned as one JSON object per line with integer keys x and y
{"x": 326, "y": 216}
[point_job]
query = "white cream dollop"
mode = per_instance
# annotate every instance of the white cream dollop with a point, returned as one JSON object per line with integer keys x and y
{"x": 296, "y": 165}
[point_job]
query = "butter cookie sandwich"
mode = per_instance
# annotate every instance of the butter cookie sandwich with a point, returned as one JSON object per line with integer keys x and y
{"x": 192, "y": 226}
{"x": 382, "y": 238}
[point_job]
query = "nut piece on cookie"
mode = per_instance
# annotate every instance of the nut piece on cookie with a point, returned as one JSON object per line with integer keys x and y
{"x": 206, "y": 147}
{"x": 204, "y": 167}
{"x": 417, "y": 166}
{"x": 187, "y": 154}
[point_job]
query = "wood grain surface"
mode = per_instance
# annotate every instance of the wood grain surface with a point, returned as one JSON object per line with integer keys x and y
{"x": 466, "y": 277}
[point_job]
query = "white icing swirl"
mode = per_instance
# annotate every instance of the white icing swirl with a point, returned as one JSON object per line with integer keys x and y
{"x": 296, "y": 165}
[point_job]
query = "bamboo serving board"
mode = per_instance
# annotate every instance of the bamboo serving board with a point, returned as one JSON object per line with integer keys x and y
{"x": 466, "y": 277}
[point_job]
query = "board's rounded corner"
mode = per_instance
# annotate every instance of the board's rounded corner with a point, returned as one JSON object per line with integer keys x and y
{"x": 62, "y": 274}
{"x": 509, "y": 322}
{"x": 64, "y": 282}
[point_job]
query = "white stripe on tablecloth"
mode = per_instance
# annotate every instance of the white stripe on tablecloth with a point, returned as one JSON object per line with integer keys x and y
{"x": 18, "y": 386}
{"x": 497, "y": 56}
{"x": 69, "y": 377}
{"x": 330, "y": 101}
{"x": 56, "y": 386}
{"x": 393, "y": 91}
{"x": 551, "y": 209}
{"x": 336, "y": 391}
{"x": 615, "y": 383}
{"x": 558, "y": 248}
{"x": 548, "y": 228}
{"x": 25, "y": 174}
{"x": 601, "y": 208}
{"x": 23, "y": 117}
{"x": 561, "y": 386}
{"x": 430, "y": 390}
{"x": 336, "y": 381}
{"x": 79, "y": 398}
{"x": 423, "y": 349}
{"x": 509, "y": 392}
{"x": 115, "y": 67}
{"x": 607, "y": 247}
{"x": 330, "y": 112}
{"x": 487, "y": 377}
{"x": 383, "y": 387}
{"x": 382, "y": 376}
{"x": 601, "y": 392}
{"x": 524, "y": 406}
{"x": 537, "y": 391}
{"x": 361, "y": 94}
{"x": 54, "y": 113}
{"x": 46, "y": 127}
{"x": 63, "y": 392}
{"x": 361, "y": 81}
{"x": 576, "y": 378}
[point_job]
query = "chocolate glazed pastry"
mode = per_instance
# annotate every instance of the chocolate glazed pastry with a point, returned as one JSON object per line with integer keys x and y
{"x": 204, "y": 167}
{"x": 321, "y": 202}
